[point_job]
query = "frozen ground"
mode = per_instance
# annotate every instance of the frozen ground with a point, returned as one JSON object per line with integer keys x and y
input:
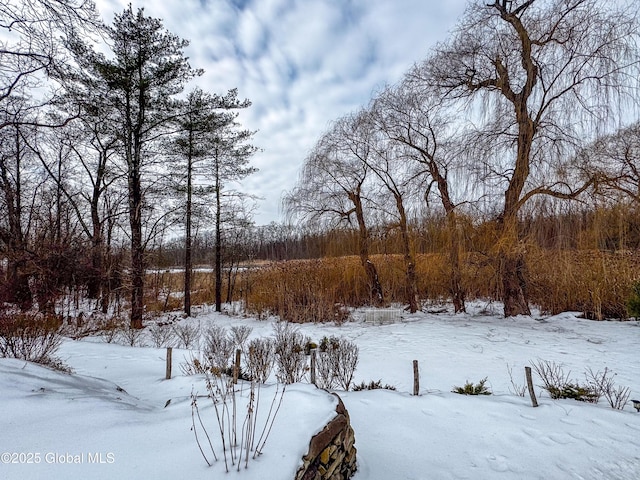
{"x": 127, "y": 432}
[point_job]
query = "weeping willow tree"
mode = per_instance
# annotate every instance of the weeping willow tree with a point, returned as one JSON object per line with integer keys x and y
{"x": 537, "y": 79}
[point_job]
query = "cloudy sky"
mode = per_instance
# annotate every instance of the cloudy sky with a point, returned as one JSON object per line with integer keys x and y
{"x": 302, "y": 63}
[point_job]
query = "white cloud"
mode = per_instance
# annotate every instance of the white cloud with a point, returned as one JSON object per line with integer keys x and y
{"x": 303, "y": 63}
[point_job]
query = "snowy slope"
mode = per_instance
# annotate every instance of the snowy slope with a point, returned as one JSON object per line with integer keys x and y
{"x": 114, "y": 405}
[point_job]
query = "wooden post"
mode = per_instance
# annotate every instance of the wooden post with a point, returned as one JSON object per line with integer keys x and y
{"x": 416, "y": 378}
{"x": 236, "y": 366}
{"x": 168, "y": 370}
{"x": 313, "y": 366}
{"x": 532, "y": 393}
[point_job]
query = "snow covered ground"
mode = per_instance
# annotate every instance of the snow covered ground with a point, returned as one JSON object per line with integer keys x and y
{"x": 110, "y": 414}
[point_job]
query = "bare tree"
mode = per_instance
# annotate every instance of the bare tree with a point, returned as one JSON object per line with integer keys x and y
{"x": 412, "y": 115}
{"x": 38, "y": 237}
{"x": 14, "y": 224}
{"x": 332, "y": 185}
{"x": 78, "y": 160}
{"x": 237, "y": 246}
{"x": 31, "y": 48}
{"x": 539, "y": 77}
{"x": 615, "y": 161}
{"x": 396, "y": 176}
{"x": 31, "y": 52}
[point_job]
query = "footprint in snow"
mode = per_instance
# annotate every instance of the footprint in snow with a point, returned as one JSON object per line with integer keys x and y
{"x": 498, "y": 463}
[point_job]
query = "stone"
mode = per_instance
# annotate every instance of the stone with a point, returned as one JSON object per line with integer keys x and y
{"x": 325, "y": 456}
{"x": 335, "y": 466}
{"x": 331, "y": 454}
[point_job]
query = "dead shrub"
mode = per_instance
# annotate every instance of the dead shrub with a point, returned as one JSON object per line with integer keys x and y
{"x": 32, "y": 337}
{"x": 110, "y": 329}
{"x": 559, "y": 384}
{"x": 307, "y": 291}
{"x": 195, "y": 364}
{"x": 187, "y": 333}
{"x": 604, "y": 384}
{"x": 239, "y": 336}
{"x": 130, "y": 336}
{"x": 336, "y": 363}
{"x": 161, "y": 335}
{"x": 291, "y": 360}
{"x": 218, "y": 347}
{"x": 261, "y": 359}
{"x": 595, "y": 283}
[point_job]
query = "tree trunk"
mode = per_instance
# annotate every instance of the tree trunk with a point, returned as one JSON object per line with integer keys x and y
{"x": 511, "y": 259}
{"x": 512, "y": 268}
{"x": 137, "y": 251}
{"x": 455, "y": 276}
{"x": 455, "y": 271}
{"x": 375, "y": 288}
{"x": 230, "y": 283}
{"x": 218, "y": 246}
{"x": 411, "y": 287}
{"x": 188, "y": 240}
{"x": 412, "y": 290}
{"x": 16, "y": 288}
{"x": 514, "y": 285}
{"x": 95, "y": 282}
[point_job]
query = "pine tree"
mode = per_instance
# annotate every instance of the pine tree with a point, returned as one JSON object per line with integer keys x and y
{"x": 147, "y": 68}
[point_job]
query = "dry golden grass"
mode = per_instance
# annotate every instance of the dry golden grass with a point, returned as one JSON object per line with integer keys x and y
{"x": 578, "y": 260}
{"x": 593, "y": 282}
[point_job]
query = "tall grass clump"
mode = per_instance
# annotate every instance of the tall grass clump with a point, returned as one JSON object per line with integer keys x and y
{"x": 595, "y": 283}
{"x": 304, "y": 291}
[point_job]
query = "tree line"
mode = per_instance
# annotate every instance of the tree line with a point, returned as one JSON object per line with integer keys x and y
{"x": 527, "y": 109}
{"x": 101, "y": 153}
{"x": 528, "y": 103}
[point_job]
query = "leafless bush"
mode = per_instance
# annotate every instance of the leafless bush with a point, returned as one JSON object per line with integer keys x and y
{"x": 336, "y": 363}
{"x": 131, "y": 336}
{"x": 559, "y": 385}
{"x": 195, "y": 364}
{"x": 34, "y": 338}
{"x": 291, "y": 360}
{"x": 218, "y": 347}
{"x": 553, "y": 377}
{"x": 345, "y": 360}
{"x": 239, "y": 335}
{"x": 110, "y": 329}
{"x": 238, "y": 435}
{"x": 325, "y": 373}
{"x": 81, "y": 325}
{"x": 260, "y": 359}
{"x": 161, "y": 335}
{"x": 603, "y": 383}
{"x": 188, "y": 334}
{"x": 515, "y": 388}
